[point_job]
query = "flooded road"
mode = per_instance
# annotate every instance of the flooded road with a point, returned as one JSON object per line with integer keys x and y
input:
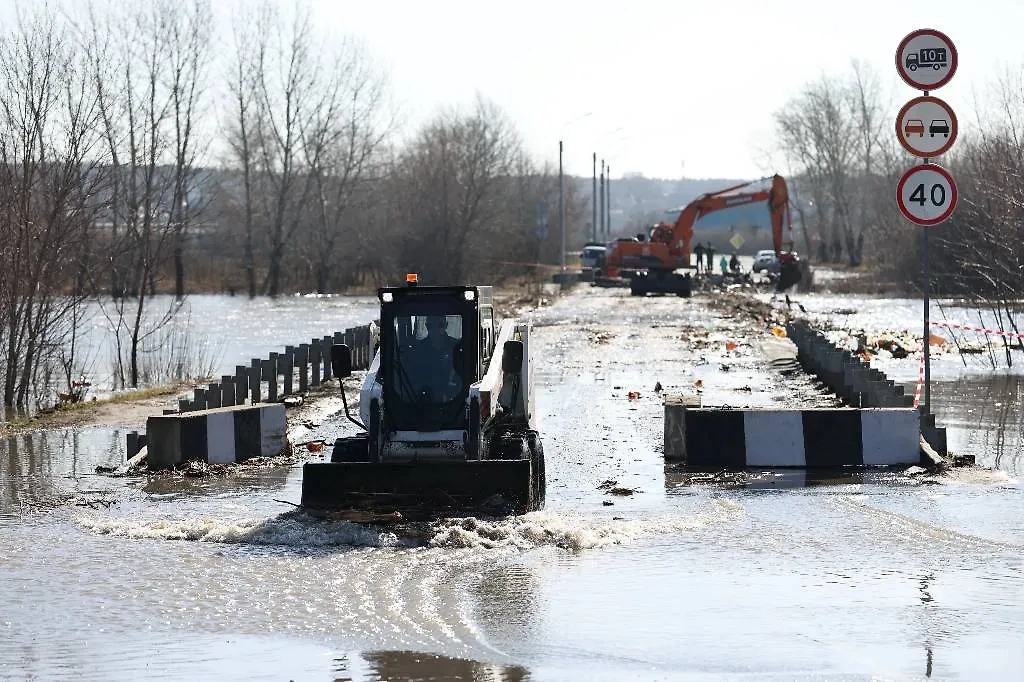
{"x": 786, "y": 577}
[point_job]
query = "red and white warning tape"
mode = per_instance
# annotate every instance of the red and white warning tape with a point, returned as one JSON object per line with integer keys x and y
{"x": 971, "y": 328}
{"x": 963, "y": 327}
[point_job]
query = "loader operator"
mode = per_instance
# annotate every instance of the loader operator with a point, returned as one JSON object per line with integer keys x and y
{"x": 435, "y": 374}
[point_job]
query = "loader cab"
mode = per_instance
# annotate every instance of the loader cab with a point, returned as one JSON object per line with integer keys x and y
{"x": 434, "y": 343}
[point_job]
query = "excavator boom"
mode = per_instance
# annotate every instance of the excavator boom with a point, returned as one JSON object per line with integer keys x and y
{"x": 670, "y": 244}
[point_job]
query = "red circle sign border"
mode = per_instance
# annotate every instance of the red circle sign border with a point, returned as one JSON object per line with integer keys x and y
{"x": 901, "y": 68}
{"x": 954, "y": 127}
{"x": 952, "y": 186}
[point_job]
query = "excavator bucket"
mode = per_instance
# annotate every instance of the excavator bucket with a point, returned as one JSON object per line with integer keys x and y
{"x": 789, "y": 274}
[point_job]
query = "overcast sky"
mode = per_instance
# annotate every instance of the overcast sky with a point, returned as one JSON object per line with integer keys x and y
{"x": 672, "y": 87}
{"x": 692, "y": 85}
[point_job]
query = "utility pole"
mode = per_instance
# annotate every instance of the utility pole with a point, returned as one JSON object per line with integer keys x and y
{"x": 602, "y": 196}
{"x": 561, "y": 204}
{"x": 593, "y": 203}
{"x": 608, "y": 200}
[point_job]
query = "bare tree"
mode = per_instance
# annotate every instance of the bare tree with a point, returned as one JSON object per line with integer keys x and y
{"x": 830, "y": 133}
{"x": 46, "y": 190}
{"x": 147, "y": 82}
{"x": 341, "y": 146}
{"x": 304, "y": 129}
{"x": 189, "y": 33}
{"x": 452, "y": 179}
{"x": 241, "y": 128}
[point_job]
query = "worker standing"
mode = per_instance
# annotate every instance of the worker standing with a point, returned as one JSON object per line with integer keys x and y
{"x": 734, "y": 264}
{"x": 699, "y": 252}
{"x": 711, "y": 258}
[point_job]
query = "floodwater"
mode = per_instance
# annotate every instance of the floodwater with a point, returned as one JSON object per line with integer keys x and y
{"x": 214, "y": 333}
{"x": 848, "y": 576}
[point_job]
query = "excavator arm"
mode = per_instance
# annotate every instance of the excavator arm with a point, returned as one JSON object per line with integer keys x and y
{"x": 680, "y": 235}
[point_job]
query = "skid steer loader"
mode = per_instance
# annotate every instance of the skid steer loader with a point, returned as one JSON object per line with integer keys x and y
{"x": 446, "y": 414}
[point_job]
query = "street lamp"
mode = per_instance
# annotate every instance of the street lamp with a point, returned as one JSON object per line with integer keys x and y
{"x": 561, "y": 185}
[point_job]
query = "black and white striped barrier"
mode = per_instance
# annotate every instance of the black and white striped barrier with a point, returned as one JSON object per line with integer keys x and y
{"x": 811, "y": 438}
{"x": 224, "y": 435}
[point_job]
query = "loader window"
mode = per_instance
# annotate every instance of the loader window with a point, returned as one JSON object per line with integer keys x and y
{"x": 428, "y": 370}
{"x": 423, "y": 325}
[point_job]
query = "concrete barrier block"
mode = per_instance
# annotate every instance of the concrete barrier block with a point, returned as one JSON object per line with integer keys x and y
{"x": 675, "y": 424}
{"x": 783, "y": 429}
{"x": 222, "y": 435}
{"x": 810, "y": 438}
{"x": 273, "y": 430}
{"x": 890, "y": 437}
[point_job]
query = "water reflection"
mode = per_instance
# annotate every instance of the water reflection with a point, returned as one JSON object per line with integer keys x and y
{"x": 985, "y": 418}
{"x": 511, "y": 592}
{"x": 406, "y": 666}
{"x": 45, "y": 468}
{"x": 927, "y": 602}
{"x": 233, "y": 330}
{"x": 679, "y": 479}
{"x": 248, "y": 479}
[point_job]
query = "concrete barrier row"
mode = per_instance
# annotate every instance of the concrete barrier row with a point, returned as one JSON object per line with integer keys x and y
{"x": 280, "y": 375}
{"x": 854, "y": 380}
{"x": 848, "y": 376}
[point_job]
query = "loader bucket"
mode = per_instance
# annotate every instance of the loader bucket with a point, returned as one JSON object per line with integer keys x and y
{"x": 426, "y": 489}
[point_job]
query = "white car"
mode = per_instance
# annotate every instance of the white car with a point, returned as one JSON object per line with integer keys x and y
{"x": 592, "y": 256}
{"x": 765, "y": 260}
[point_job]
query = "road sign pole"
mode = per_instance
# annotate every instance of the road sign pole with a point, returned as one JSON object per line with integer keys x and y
{"x": 927, "y": 332}
{"x": 927, "y": 305}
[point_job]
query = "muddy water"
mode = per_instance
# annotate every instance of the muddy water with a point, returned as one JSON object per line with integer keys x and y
{"x": 784, "y": 577}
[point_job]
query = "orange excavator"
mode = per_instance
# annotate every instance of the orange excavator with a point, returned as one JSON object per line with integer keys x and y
{"x": 651, "y": 264}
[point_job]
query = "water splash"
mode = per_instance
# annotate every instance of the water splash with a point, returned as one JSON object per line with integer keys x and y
{"x": 575, "y": 533}
{"x": 284, "y": 530}
{"x": 537, "y": 529}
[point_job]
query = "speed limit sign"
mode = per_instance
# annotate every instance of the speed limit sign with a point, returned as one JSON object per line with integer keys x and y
{"x": 926, "y": 194}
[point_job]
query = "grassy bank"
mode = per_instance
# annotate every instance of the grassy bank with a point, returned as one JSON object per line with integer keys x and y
{"x": 77, "y": 413}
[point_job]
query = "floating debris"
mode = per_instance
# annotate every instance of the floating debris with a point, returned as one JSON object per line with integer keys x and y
{"x": 612, "y": 487}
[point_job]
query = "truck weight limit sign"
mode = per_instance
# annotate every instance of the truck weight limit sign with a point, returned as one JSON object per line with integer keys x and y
{"x": 926, "y": 59}
{"x": 926, "y": 194}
